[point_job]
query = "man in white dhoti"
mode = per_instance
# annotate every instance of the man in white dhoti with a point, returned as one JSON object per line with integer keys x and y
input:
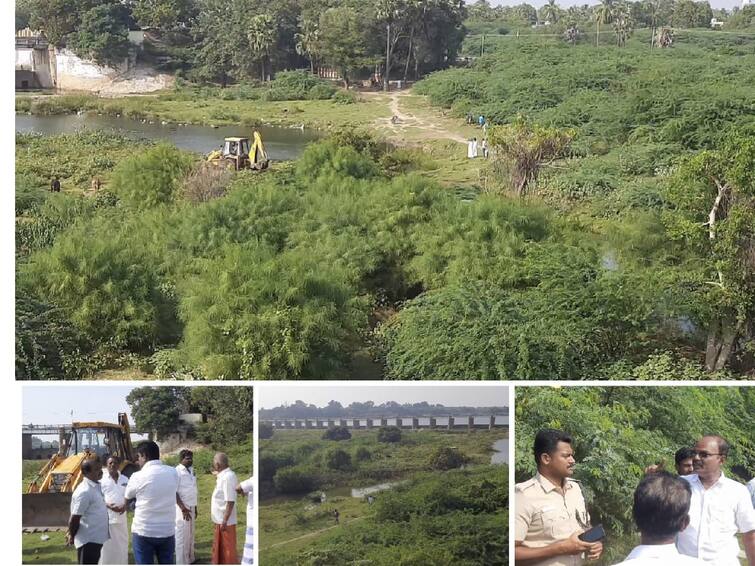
{"x": 186, "y": 508}
{"x": 115, "y": 550}
{"x": 246, "y": 488}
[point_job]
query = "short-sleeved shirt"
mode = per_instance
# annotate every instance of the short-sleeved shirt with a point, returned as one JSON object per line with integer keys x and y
{"x": 247, "y": 486}
{"x": 716, "y": 515}
{"x": 751, "y": 487}
{"x": 659, "y": 555}
{"x": 187, "y": 485}
{"x": 225, "y": 492}
{"x": 544, "y": 516}
{"x": 87, "y": 500}
{"x": 154, "y": 487}
{"x": 114, "y": 492}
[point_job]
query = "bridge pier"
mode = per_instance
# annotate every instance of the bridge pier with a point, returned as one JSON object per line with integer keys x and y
{"x": 308, "y": 423}
{"x": 433, "y": 423}
{"x": 383, "y": 421}
{"x": 369, "y": 424}
{"x": 450, "y": 425}
{"x": 470, "y": 423}
{"x": 342, "y": 422}
{"x": 415, "y": 423}
{"x": 492, "y": 422}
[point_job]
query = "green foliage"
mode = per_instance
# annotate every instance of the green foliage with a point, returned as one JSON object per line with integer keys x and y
{"x": 362, "y": 454}
{"x": 102, "y": 34}
{"x": 618, "y": 431}
{"x": 338, "y": 459}
{"x": 151, "y": 177}
{"x": 229, "y": 411}
{"x": 265, "y": 431}
{"x": 156, "y": 409}
{"x": 343, "y": 42}
{"x": 337, "y": 433}
{"x": 447, "y": 458}
{"x": 389, "y": 434}
{"x": 293, "y": 480}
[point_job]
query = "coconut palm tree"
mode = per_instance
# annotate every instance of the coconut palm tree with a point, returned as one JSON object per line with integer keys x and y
{"x": 261, "y": 36}
{"x": 550, "y": 12}
{"x": 623, "y": 25}
{"x": 307, "y": 41}
{"x": 603, "y": 14}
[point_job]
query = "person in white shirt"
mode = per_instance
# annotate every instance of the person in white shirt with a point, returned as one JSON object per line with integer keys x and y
{"x": 154, "y": 487}
{"x": 719, "y": 509}
{"x": 246, "y": 488}
{"x": 661, "y": 512}
{"x": 751, "y": 487}
{"x": 186, "y": 508}
{"x": 88, "y": 524}
{"x": 224, "y": 512}
{"x": 115, "y": 550}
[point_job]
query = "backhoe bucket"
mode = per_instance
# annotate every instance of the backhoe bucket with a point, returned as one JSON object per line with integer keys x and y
{"x": 45, "y": 510}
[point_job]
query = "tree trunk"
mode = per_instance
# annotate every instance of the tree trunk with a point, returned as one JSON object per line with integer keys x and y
{"x": 722, "y": 336}
{"x": 387, "y": 56}
{"x": 312, "y": 66}
{"x": 409, "y": 54}
{"x": 597, "y": 34}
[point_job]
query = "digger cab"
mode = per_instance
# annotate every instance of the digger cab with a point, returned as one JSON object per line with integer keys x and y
{"x": 242, "y": 153}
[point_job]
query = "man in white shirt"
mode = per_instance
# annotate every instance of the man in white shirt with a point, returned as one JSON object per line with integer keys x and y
{"x": 186, "y": 508}
{"x": 224, "y": 512}
{"x": 246, "y": 488}
{"x": 661, "y": 511}
{"x": 115, "y": 550}
{"x": 154, "y": 487}
{"x": 719, "y": 509}
{"x": 88, "y": 525}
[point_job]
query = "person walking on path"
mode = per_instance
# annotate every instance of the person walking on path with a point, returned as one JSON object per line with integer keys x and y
{"x": 115, "y": 550}
{"x": 224, "y": 512}
{"x": 88, "y": 524}
{"x": 154, "y": 486}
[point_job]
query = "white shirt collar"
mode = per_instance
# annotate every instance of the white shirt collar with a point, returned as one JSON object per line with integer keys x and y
{"x": 653, "y": 551}
{"x": 152, "y": 463}
{"x": 92, "y": 483}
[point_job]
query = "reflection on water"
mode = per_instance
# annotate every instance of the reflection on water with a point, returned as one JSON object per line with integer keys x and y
{"x": 501, "y": 454}
{"x": 282, "y": 144}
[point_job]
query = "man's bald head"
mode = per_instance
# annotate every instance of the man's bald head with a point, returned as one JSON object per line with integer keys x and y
{"x": 220, "y": 461}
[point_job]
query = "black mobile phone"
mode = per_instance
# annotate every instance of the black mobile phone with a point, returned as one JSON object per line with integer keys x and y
{"x": 595, "y": 534}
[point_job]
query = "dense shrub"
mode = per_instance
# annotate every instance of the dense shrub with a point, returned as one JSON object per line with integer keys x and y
{"x": 293, "y": 480}
{"x": 151, "y": 177}
{"x": 337, "y": 459}
{"x": 446, "y": 458}
{"x": 362, "y": 453}
{"x": 337, "y": 433}
{"x": 389, "y": 434}
{"x": 265, "y": 431}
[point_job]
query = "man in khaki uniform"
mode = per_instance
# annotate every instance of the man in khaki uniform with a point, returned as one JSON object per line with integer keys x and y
{"x": 549, "y": 509}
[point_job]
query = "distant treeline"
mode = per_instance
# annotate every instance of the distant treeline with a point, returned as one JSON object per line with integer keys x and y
{"x": 333, "y": 409}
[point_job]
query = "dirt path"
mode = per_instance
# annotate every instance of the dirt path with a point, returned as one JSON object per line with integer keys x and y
{"x": 407, "y": 125}
{"x": 313, "y": 533}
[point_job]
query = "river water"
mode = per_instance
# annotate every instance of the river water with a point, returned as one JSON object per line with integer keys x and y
{"x": 282, "y": 144}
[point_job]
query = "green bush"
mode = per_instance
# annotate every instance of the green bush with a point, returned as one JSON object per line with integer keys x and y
{"x": 389, "y": 434}
{"x": 337, "y": 433}
{"x": 345, "y": 97}
{"x": 151, "y": 177}
{"x": 321, "y": 91}
{"x": 337, "y": 459}
{"x": 293, "y": 480}
{"x": 362, "y": 454}
{"x": 447, "y": 458}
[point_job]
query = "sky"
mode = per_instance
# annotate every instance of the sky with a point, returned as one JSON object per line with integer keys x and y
{"x": 467, "y": 395}
{"x": 728, "y": 4}
{"x": 54, "y": 404}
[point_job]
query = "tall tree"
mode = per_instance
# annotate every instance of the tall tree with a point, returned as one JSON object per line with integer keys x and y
{"x": 550, "y": 12}
{"x": 343, "y": 41}
{"x": 261, "y": 36}
{"x": 712, "y": 209}
{"x": 156, "y": 409}
{"x": 623, "y": 25}
{"x": 389, "y": 12}
{"x": 603, "y": 13}
{"x": 307, "y": 41}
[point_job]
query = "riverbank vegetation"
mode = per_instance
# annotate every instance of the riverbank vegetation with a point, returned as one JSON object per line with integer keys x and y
{"x": 456, "y": 516}
{"x": 617, "y": 432}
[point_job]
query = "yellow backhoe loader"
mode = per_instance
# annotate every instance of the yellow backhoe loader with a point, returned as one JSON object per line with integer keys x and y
{"x": 237, "y": 154}
{"x": 47, "y": 501}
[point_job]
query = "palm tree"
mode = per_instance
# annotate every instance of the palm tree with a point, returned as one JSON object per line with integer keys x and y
{"x": 306, "y": 41}
{"x": 603, "y": 15}
{"x": 261, "y": 36}
{"x": 623, "y": 25}
{"x": 551, "y": 12}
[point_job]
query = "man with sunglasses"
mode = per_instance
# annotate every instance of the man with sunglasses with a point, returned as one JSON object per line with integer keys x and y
{"x": 719, "y": 509}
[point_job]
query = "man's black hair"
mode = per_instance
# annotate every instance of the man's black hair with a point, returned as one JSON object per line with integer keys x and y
{"x": 88, "y": 465}
{"x": 683, "y": 454}
{"x": 183, "y": 453}
{"x": 150, "y": 450}
{"x": 661, "y": 505}
{"x": 546, "y": 442}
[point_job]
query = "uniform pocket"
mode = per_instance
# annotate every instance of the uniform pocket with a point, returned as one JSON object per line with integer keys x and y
{"x": 556, "y": 523}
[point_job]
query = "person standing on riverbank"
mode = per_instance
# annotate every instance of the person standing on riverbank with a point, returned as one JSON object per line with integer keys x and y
{"x": 186, "y": 508}
{"x": 115, "y": 550}
{"x": 224, "y": 512}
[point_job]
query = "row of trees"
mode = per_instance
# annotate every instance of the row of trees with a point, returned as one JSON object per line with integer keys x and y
{"x": 645, "y": 13}
{"x": 228, "y": 411}
{"x": 224, "y": 40}
{"x": 334, "y": 409}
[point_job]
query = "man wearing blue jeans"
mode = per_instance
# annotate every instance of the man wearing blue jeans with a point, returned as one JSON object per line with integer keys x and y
{"x": 154, "y": 487}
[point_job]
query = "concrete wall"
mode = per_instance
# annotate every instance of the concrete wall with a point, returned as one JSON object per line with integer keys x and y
{"x": 75, "y": 73}
{"x": 36, "y": 62}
